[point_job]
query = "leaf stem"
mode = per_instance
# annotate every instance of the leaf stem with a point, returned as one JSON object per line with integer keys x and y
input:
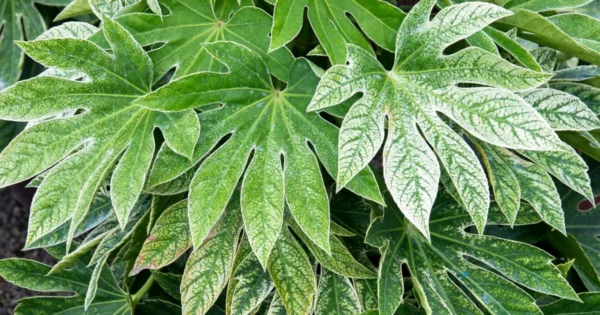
{"x": 142, "y": 291}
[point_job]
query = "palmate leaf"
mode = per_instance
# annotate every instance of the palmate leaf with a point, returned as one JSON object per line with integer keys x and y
{"x": 423, "y": 82}
{"x": 110, "y": 299}
{"x": 267, "y": 124}
{"x": 434, "y": 267}
{"x": 329, "y": 19}
{"x": 179, "y": 35}
{"x": 19, "y": 20}
{"x": 110, "y": 129}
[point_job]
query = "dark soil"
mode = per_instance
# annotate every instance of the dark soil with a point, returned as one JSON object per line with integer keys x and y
{"x": 14, "y": 215}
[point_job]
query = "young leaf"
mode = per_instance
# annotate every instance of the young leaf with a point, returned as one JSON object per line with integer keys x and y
{"x": 110, "y": 130}
{"x": 336, "y": 295}
{"x": 210, "y": 265}
{"x": 19, "y": 20}
{"x": 329, "y": 19}
{"x": 422, "y": 82}
{"x": 170, "y": 238}
{"x": 435, "y": 265}
{"x": 293, "y": 275}
{"x": 268, "y": 124}
{"x": 192, "y": 23}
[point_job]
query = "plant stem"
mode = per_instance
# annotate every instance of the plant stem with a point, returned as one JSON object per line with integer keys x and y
{"x": 142, "y": 291}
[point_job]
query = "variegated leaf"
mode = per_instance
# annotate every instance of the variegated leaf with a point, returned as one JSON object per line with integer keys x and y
{"x": 267, "y": 124}
{"x": 424, "y": 81}
{"x": 336, "y": 295}
{"x": 435, "y": 265}
{"x": 210, "y": 265}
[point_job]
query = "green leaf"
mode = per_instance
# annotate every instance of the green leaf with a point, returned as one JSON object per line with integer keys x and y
{"x": 170, "y": 238}
{"x": 110, "y": 130}
{"x": 32, "y": 275}
{"x": 489, "y": 275}
{"x": 422, "y": 82}
{"x": 583, "y": 28}
{"x": 580, "y": 73}
{"x": 19, "y": 20}
{"x": 209, "y": 267}
{"x": 116, "y": 236}
{"x": 590, "y": 305}
{"x": 329, "y": 20}
{"x": 292, "y": 275}
{"x": 582, "y": 221}
{"x": 110, "y": 305}
{"x": 545, "y": 5}
{"x": 74, "y": 8}
{"x": 169, "y": 282}
{"x": 340, "y": 260}
{"x": 252, "y": 287}
{"x": 514, "y": 48}
{"x": 270, "y": 125}
{"x": 157, "y": 307}
{"x": 336, "y": 295}
{"x": 99, "y": 212}
{"x": 93, "y": 286}
{"x": 537, "y": 28}
{"x": 184, "y": 50}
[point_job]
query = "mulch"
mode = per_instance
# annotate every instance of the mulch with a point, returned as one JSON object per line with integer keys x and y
{"x": 14, "y": 215}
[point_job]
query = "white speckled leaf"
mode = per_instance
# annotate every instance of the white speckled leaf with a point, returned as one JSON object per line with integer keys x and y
{"x": 210, "y": 265}
{"x": 270, "y": 125}
{"x": 293, "y": 275}
{"x": 252, "y": 286}
{"x": 422, "y": 82}
{"x": 505, "y": 185}
{"x": 435, "y": 265}
{"x": 336, "y": 295}
{"x": 567, "y": 166}
{"x": 537, "y": 188}
{"x": 170, "y": 238}
{"x": 110, "y": 131}
{"x": 563, "y": 111}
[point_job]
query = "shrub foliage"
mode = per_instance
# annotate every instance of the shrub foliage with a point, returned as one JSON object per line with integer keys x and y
{"x": 304, "y": 156}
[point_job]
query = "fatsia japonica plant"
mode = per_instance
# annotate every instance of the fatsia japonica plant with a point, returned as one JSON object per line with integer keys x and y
{"x": 304, "y": 156}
